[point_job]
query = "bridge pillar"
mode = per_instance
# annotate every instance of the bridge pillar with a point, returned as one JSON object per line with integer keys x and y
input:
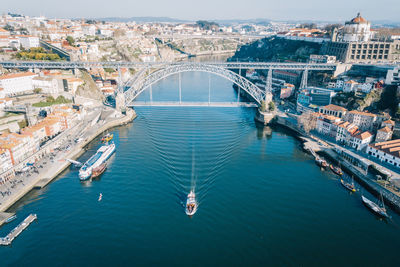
{"x": 264, "y": 115}
{"x": 120, "y": 103}
{"x": 268, "y": 87}
{"x": 304, "y": 79}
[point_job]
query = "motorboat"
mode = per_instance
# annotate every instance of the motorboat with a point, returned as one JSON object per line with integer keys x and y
{"x": 107, "y": 138}
{"x": 101, "y": 156}
{"x": 321, "y": 162}
{"x": 191, "y": 204}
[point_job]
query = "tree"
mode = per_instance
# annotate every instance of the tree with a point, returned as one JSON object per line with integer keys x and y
{"x": 37, "y": 90}
{"x": 50, "y": 99}
{"x": 271, "y": 106}
{"x": 308, "y": 26}
{"x": 329, "y": 27}
{"x": 307, "y": 121}
{"x": 263, "y": 107}
{"x": 70, "y": 40}
{"x": 109, "y": 70}
{"x": 207, "y": 25}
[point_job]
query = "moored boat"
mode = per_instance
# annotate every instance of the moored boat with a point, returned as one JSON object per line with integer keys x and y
{"x": 348, "y": 186}
{"x": 102, "y": 154}
{"x": 379, "y": 209}
{"x": 336, "y": 170}
{"x": 321, "y": 162}
{"x": 191, "y": 204}
{"x": 99, "y": 170}
{"x": 10, "y": 219}
{"x": 107, "y": 138}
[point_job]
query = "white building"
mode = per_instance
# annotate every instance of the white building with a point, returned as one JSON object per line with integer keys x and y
{"x": 27, "y": 41}
{"x": 364, "y": 120}
{"x": 356, "y": 30}
{"x": 393, "y": 76}
{"x": 49, "y": 85}
{"x": 350, "y": 86}
{"x": 333, "y": 110}
{"x": 384, "y": 134}
{"x": 388, "y": 151}
{"x": 327, "y": 124}
{"x": 5, "y": 160}
{"x": 17, "y": 83}
{"x": 361, "y": 140}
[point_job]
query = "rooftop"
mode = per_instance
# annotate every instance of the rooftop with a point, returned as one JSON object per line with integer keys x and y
{"x": 334, "y": 107}
{"x": 16, "y": 75}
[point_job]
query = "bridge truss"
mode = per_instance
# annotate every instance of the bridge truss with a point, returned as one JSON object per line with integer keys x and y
{"x": 141, "y": 83}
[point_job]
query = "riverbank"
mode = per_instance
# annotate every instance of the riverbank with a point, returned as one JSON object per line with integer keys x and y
{"x": 51, "y": 172}
{"x": 314, "y": 145}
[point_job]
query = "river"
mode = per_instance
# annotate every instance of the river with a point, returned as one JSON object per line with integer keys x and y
{"x": 262, "y": 201}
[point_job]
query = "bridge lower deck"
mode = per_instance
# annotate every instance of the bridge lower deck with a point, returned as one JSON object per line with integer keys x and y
{"x": 192, "y": 104}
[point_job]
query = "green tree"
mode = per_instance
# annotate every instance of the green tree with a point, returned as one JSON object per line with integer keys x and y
{"x": 109, "y": 70}
{"x": 271, "y": 106}
{"x": 70, "y": 40}
{"x": 37, "y": 90}
{"x": 50, "y": 99}
{"x": 263, "y": 107}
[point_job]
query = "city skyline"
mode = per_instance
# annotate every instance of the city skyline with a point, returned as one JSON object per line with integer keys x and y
{"x": 310, "y": 10}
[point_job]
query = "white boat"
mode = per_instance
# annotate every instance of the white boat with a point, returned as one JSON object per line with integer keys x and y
{"x": 101, "y": 156}
{"x": 191, "y": 204}
{"x": 378, "y": 209}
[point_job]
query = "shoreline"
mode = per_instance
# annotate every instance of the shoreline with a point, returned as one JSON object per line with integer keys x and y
{"x": 55, "y": 170}
{"x": 391, "y": 199}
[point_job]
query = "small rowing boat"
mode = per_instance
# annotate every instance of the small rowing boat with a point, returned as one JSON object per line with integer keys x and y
{"x": 10, "y": 219}
{"x": 348, "y": 186}
{"x": 336, "y": 170}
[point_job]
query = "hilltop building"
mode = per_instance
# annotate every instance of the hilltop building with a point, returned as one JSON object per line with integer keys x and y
{"x": 355, "y": 43}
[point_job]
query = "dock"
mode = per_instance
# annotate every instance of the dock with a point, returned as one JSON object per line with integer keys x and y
{"x": 5, "y": 241}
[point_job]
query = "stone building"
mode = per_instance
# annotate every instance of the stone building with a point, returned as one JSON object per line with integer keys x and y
{"x": 355, "y": 43}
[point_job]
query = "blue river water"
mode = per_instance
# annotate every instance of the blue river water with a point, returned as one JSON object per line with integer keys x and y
{"x": 262, "y": 201}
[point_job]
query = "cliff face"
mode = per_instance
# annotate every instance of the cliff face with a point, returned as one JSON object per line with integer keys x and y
{"x": 277, "y": 49}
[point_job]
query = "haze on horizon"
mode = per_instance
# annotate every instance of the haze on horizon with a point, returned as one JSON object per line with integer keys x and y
{"x": 340, "y": 10}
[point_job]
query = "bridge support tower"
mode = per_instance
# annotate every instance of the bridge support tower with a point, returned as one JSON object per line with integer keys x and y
{"x": 264, "y": 115}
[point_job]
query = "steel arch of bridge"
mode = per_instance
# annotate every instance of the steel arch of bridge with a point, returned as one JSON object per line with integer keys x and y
{"x": 139, "y": 83}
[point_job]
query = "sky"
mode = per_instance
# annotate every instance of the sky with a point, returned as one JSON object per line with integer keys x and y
{"x": 318, "y": 10}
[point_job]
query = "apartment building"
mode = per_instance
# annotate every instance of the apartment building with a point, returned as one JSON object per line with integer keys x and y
{"x": 17, "y": 83}
{"x": 388, "y": 151}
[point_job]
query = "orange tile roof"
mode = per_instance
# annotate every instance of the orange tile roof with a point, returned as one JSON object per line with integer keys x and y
{"x": 334, "y": 107}
{"x": 385, "y": 129}
{"x": 364, "y": 135}
{"x": 362, "y": 113}
{"x": 16, "y": 75}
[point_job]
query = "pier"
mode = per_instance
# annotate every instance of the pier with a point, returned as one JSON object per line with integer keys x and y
{"x": 5, "y": 241}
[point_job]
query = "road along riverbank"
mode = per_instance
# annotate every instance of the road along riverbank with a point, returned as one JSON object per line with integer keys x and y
{"x": 55, "y": 168}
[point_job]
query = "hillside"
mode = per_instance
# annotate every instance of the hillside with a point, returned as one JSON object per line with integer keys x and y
{"x": 276, "y": 49}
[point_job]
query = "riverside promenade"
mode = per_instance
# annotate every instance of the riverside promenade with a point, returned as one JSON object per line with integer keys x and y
{"x": 19, "y": 186}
